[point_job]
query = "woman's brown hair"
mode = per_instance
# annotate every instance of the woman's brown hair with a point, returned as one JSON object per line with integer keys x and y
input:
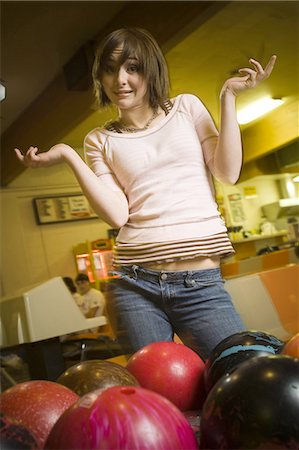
{"x": 140, "y": 44}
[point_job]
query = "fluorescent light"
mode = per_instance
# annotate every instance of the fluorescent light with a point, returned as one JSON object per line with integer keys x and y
{"x": 2, "y": 92}
{"x": 296, "y": 179}
{"x": 257, "y": 109}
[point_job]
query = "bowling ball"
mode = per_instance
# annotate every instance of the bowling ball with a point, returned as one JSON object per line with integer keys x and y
{"x": 172, "y": 370}
{"x": 234, "y": 350}
{"x": 15, "y": 436}
{"x": 90, "y": 375}
{"x": 256, "y": 407}
{"x": 37, "y": 405}
{"x": 291, "y": 347}
{"x": 122, "y": 418}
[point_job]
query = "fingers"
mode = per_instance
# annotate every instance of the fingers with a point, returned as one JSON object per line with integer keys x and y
{"x": 237, "y": 79}
{"x": 31, "y": 153}
{"x": 251, "y": 77}
{"x": 19, "y": 154}
{"x": 270, "y": 65}
{"x": 250, "y": 74}
{"x": 29, "y": 157}
{"x": 257, "y": 65}
{"x": 263, "y": 73}
{"x": 249, "y": 71}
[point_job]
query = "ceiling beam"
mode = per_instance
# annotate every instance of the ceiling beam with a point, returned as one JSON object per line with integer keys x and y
{"x": 57, "y": 110}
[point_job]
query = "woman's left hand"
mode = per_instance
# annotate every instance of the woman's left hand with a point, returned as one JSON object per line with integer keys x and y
{"x": 252, "y": 77}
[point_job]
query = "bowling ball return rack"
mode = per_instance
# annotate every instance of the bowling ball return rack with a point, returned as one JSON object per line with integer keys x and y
{"x": 90, "y": 346}
{"x": 34, "y": 322}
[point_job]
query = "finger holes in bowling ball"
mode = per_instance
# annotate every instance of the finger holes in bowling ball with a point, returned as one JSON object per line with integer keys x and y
{"x": 128, "y": 391}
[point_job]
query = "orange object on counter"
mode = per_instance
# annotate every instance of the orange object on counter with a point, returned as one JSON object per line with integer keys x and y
{"x": 291, "y": 348}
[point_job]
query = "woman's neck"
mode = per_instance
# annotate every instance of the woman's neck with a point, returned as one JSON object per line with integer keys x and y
{"x": 137, "y": 117}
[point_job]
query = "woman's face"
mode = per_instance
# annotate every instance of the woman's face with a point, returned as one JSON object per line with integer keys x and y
{"x": 124, "y": 85}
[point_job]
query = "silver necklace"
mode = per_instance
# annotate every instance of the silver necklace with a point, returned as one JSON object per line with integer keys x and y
{"x": 134, "y": 130}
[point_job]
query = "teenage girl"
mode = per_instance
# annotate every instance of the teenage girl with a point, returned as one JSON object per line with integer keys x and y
{"x": 149, "y": 174}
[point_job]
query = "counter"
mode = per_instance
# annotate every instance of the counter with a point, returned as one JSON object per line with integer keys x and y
{"x": 233, "y": 267}
{"x": 250, "y": 246}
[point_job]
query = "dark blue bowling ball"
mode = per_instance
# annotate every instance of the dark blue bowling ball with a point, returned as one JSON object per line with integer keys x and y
{"x": 256, "y": 407}
{"x": 234, "y": 350}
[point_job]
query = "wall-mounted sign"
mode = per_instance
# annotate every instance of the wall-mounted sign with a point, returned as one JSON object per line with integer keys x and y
{"x": 66, "y": 208}
{"x": 236, "y": 207}
{"x": 250, "y": 191}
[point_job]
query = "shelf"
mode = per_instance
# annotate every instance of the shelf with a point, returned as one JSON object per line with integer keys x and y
{"x": 260, "y": 237}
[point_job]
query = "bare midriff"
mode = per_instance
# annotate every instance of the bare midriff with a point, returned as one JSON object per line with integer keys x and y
{"x": 199, "y": 263}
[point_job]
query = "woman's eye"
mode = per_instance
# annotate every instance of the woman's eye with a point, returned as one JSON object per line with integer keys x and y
{"x": 133, "y": 68}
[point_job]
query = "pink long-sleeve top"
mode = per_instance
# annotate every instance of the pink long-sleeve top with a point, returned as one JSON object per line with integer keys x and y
{"x": 164, "y": 175}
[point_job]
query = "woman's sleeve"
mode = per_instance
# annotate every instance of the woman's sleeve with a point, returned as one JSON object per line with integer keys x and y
{"x": 205, "y": 127}
{"x": 95, "y": 159}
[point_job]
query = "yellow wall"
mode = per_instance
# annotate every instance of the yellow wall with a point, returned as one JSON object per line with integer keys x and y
{"x": 33, "y": 253}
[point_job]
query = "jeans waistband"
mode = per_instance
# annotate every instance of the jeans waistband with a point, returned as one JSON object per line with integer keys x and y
{"x": 135, "y": 271}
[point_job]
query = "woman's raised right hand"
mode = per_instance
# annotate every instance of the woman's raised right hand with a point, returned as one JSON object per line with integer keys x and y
{"x": 45, "y": 159}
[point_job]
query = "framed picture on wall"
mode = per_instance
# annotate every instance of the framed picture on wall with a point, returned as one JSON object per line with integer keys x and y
{"x": 62, "y": 208}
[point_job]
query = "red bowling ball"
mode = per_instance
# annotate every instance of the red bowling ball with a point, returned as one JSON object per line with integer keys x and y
{"x": 37, "y": 405}
{"x": 122, "y": 418}
{"x": 14, "y": 436}
{"x": 172, "y": 370}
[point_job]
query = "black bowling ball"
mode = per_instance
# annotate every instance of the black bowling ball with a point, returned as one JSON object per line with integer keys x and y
{"x": 256, "y": 407}
{"x": 234, "y": 350}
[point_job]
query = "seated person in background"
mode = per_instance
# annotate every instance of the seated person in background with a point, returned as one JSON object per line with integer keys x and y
{"x": 68, "y": 281}
{"x": 73, "y": 290}
{"x": 93, "y": 301}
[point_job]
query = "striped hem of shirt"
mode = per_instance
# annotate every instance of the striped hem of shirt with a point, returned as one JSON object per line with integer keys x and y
{"x": 216, "y": 245}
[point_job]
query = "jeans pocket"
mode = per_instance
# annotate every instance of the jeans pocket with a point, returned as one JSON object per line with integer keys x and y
{"x": 205, "y": 278}
{"x": 212, "y": 282}
{"x": 123, "y": 276}
{"x": 118, "y": 274}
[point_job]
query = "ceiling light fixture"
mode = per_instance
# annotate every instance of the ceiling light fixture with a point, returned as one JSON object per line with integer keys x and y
{"x": 2, "y": 91}
{"x": 296, "y": 179}
{"x": 257, "y": 109}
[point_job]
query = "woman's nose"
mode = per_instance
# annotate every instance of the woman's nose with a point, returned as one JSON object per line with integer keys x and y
{"x": 121, "y": 76}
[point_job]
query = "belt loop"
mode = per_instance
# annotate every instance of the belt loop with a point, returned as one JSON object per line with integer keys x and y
{"x": 134, "y": 270}
{"x": 188, "y": 279}
{"x": 189, "y": 275}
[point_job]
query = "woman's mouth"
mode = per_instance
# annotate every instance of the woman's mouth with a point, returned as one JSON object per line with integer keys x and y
{"x": 123, "y": 94}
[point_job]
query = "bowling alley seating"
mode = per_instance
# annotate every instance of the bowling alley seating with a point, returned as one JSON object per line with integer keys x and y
{"x": 269, "y": 300}
{"x": 36, "y": 319}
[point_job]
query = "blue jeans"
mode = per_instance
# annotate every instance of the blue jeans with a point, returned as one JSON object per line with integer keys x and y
{"x": 149, "y": 306}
